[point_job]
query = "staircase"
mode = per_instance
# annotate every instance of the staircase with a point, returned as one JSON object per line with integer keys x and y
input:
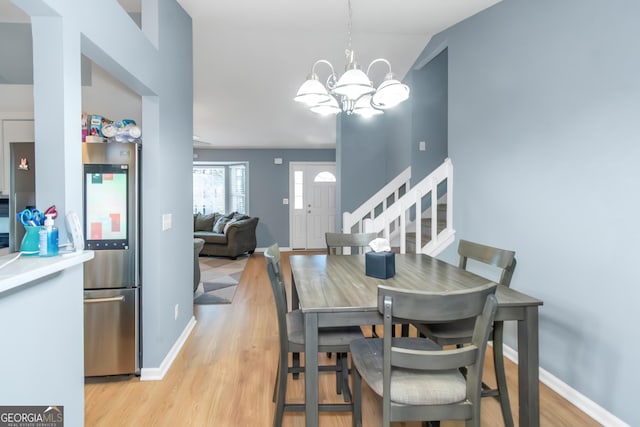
{"x": 391, "y": 212}
{"x": 441, "y": 224}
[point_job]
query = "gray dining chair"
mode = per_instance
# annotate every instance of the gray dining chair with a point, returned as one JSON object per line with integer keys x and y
{"x": 291, "y": 339}
{"x": 418, "y": 379}
{"x": 337, "y": 242}
{"x": 459, "y": 333}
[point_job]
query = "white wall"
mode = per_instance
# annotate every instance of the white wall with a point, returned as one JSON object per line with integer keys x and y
{"x": 16, "y": 98}
{"x": 110, "y": 98}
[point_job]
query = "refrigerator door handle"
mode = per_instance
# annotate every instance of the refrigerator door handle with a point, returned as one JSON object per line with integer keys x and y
{"x": 99, "y": 300}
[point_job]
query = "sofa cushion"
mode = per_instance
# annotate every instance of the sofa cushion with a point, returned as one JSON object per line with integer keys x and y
{"x": 204, "y": 222}
{"x": 210, "y": 237}
{"x": 218, "y": 227}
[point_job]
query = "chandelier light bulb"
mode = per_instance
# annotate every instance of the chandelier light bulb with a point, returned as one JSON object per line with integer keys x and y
{"x": 326, "y": 108}
{"x": 312, "y": 92}
{"x": 353, "y": 84}
{"x": 364, "y": 108}
{"x": 390, "y": 93}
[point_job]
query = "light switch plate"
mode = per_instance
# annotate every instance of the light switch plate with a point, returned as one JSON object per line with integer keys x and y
{"x": 285, "y": 201}
{"x": 422, "y": 145}
{"x": 166, "y": 222}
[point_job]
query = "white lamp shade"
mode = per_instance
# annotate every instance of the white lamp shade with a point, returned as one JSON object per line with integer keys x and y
{"x": 364, "y": 108}
{"x": 326, "y": 108}
{"x": 353, "y": 84}
{"x": 312, "y": 92}
{"x": 390, "y": 93}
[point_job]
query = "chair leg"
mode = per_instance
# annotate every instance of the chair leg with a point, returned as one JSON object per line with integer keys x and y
{"x": 501, "y": 379}
{"x": 339, "y": 373}
{"x": 374, "y": 333}
{"x": 275, "y": 383}
{"x": 346, "y": 392}
{"x": 281, "y": 386}
{"x": 357, "y": 399}
{"x": 404, "y": 330}
{"x": 296, "y": 364}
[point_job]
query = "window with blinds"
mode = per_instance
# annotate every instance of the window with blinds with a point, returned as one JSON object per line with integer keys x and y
{"x": 220, "y": 187}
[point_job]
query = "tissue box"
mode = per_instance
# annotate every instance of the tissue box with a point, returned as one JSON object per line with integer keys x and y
{"x": 381, "y": 265}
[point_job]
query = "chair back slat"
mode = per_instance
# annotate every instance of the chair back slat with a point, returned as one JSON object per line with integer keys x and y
{"x": 500, "y": 258}
{"x": 437, "y": 360}
{"x": 336, "y": 242}
{"x": 435, "y": 307}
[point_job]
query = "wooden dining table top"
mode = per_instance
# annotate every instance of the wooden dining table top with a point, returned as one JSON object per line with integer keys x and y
{"x": 338, "y": 283}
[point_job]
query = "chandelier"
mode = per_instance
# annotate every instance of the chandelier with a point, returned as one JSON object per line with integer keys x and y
{"x": 353, "y": 92}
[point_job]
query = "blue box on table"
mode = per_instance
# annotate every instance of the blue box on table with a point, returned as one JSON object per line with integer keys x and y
{"x": 381, "y": 265}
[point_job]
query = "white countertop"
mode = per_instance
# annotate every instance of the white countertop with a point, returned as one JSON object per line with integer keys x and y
{"x": 29, "y": 268}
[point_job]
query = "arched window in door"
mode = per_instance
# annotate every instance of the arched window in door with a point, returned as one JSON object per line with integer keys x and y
{"x": 325, "y": 176}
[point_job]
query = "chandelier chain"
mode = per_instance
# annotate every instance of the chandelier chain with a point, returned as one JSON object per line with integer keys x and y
{"x": 349, "y": 30}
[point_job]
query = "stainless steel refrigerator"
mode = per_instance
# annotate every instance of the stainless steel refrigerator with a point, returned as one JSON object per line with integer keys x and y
{"x": 112, "y": 278}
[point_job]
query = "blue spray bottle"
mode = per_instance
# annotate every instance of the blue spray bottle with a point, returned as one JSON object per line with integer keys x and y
{"x": 48, "y": 238}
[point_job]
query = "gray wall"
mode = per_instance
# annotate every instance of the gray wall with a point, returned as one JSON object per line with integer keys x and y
{"x": 16, "y": 52}
{"x": 268, "y": 185}
{"x": 362, "y": 169}
{"x": 429, "y": 94}
{"x": 543, "y": 134}
{"x": 157, "y": 65}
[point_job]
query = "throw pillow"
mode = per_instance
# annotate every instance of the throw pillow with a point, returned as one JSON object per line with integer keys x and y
{"x": 221, "y": 222}
{"x": 217, "y": 217}
{"x": 204, "y": 222}
{"x": 238, "y": 216}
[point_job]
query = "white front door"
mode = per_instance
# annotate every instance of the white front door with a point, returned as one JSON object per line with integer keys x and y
{"x": 312, "y": 209}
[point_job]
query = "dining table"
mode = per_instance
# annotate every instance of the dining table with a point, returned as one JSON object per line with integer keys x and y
{"x": 333, "y": 291}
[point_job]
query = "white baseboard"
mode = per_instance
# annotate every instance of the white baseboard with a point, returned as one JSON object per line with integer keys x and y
{"x": 156, "y": 374}
{"x": 577, "y": 399}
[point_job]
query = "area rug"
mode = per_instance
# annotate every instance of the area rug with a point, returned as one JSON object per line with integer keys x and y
{"x": 219, "y": 279}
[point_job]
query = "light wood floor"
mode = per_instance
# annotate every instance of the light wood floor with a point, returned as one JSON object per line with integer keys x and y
{"x": 224, "y": 376}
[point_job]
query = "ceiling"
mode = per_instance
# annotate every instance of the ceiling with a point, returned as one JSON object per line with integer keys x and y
{"x": 251, "y": 56}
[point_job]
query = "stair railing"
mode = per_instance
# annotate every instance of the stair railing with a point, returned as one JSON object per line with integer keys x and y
{"x": 354, "y": 222}
{"x": 396, "y": 216}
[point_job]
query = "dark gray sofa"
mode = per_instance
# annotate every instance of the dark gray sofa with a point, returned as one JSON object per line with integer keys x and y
{"x": 228, "y": 235}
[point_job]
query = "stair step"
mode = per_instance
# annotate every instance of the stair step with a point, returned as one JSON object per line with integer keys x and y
{"x": 426, "y": 229}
